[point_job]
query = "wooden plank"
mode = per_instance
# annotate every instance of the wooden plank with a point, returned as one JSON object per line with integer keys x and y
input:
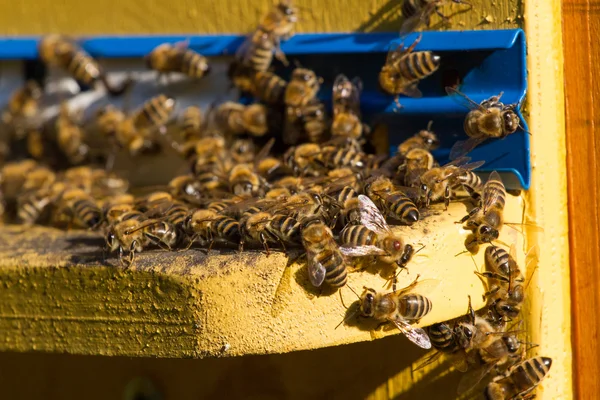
{"x": 549, "y": 291}
{"x": 110, "y": 17}
{"x": 60, "y": 295}
{"x": 581, "y": 29}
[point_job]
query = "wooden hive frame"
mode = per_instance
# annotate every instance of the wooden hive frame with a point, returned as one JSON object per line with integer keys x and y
{"x": 550, "y": 289}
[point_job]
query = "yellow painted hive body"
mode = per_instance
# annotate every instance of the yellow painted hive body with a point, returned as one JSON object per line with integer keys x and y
{"x": 51, "y": 302}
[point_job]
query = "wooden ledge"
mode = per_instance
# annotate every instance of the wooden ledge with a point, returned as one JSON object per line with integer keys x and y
{"x": 59, "y": 295}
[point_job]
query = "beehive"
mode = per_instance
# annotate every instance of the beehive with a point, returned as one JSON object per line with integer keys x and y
{"x": 549, "y": 293}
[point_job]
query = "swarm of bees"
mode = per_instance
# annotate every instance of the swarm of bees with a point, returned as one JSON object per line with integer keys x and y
{"x": 279, "y": 173}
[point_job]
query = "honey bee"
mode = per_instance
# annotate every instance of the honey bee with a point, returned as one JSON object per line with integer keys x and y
{"x": 486, "y": 221}
{"x": 373, "y": 237}
{"x": 77, "y": 208}
{"x": 417, "y": 162}
{"x": 154, "y": 114}
{"x": 62, "y": 52}
{"x": 255, "y": 55}
{"x": 35, "y": 195}
{"x": 425, "y": 139}
{"x": 135, "y": 132}
{"x": 235, "y": 118}
{"x": 23, "y": 104}
{"x": 451, "y": 341}
{"x": 268, "y": 88}
{"x": 158, "y": 232}
{"x": 315, "y": 121}
{"x": 520, "y": 380}
{"x": 392, "y": 200}
{"x": 167, "y": 58}
{"x": 244, "y": 181}
{"x": 127, "y": 239}
{"x": 302, "y": 87}
{"x": 402, "y": 308}
{"x": 325, "y": 262}
{"x": 438, "y": 182}
{"x": 108, "y": 120}
{"x": 418, "y": 12}
{"x": 505, "y": 350}
{"x": 208, "y": 226}
{"x": 486, "y": 120}
{"x": 404, "y": 68}
{"x": 242, "y": 151}
{"x": 281, "y": 19}
{"x": 70, "y": 136}
{"x": 191, "y": 123}
{"x": 305, "y": 159}
{"x": 506, "y": 291}
{"x": 346, "y": 108}
{"x": 253, "y": 228}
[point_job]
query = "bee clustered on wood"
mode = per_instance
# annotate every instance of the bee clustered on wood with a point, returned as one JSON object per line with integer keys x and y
{"x": 304, "y": 182}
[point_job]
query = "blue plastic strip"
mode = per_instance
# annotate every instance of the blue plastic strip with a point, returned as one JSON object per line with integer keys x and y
{"x": 309, "y": 43}
{"x": 490, "y": 61}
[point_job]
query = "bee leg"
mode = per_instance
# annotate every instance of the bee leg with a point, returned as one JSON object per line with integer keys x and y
{"x": 211, "y": 240}
{"x": 263, "y": 240}
{"x": 447, "y": 197}
{"x": 279, "y": 54}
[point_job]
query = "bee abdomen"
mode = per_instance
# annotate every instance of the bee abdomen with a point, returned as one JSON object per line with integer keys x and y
{"x": 403, "y": 208}
{"x": 530, "y": 372}
{"x": 269, "y": 88}
{"x": 471, "y": 181}
{"x": 335, "y": 268}
{"x": 442, "y": 338}
{"x": 87, "y": 212}
{"x": 358, "y": 235}
{"x": 194, "y": 64}
{"x": 418, "y": 65}
{"x": 414, "y": 306}
{"x": 83, "y": 68}
{"x": 228, "y": 228}
{"x": 498, "y": 256}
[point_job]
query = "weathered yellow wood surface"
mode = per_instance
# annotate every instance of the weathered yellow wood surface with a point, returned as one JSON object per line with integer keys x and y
{"x": 59, "y": 295}
{"x": 132, "y": 306}
{"x": 34, "y": 17}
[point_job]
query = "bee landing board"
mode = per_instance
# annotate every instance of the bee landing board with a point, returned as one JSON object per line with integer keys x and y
{"x": 61, "y": 295}
{"x": 484, "y": 63}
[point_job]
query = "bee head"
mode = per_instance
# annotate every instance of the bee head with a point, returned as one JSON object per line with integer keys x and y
{"x": 513, "y": 345}
{"x": 367, "y": 300}
{"x": 110, "y": 240}
{"x": 511, "y": 121}
{"x": 464, "y": 333}
{"x": 486, "y": 233}
{"x": 506, "y": 309}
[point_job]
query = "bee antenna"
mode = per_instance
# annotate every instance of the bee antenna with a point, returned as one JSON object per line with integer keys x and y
{"x": 348, "y": 317}
{"x": 353, "y": 291}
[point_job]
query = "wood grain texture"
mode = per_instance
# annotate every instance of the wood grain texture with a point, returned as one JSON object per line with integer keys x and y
{"x": 581, "y": 30}
{"x": 34, "y": 17}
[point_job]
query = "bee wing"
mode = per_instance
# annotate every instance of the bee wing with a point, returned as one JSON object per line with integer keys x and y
{"x": 491, "y": 198}
{"x": 473, "y": 377}
{"x": 463, "y": 147}
{"x": 370, "y": 216}
{"x": 242, "y": 52}
{"x": 361, "y": 251}
{"x": 316, "y": 270}
{"x": 422, "y": 16}
{"x": 412, "y": 91}
{"x": 423, "y": 287}
{"x": 463, "y": 99}
{"x": 429, "y": 360}
{"x": 266, "y": 149}
{"x": 416, "y": 335}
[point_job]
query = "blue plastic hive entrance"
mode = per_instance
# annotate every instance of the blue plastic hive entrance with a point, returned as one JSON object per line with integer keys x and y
{"x": 487, "y": 63}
